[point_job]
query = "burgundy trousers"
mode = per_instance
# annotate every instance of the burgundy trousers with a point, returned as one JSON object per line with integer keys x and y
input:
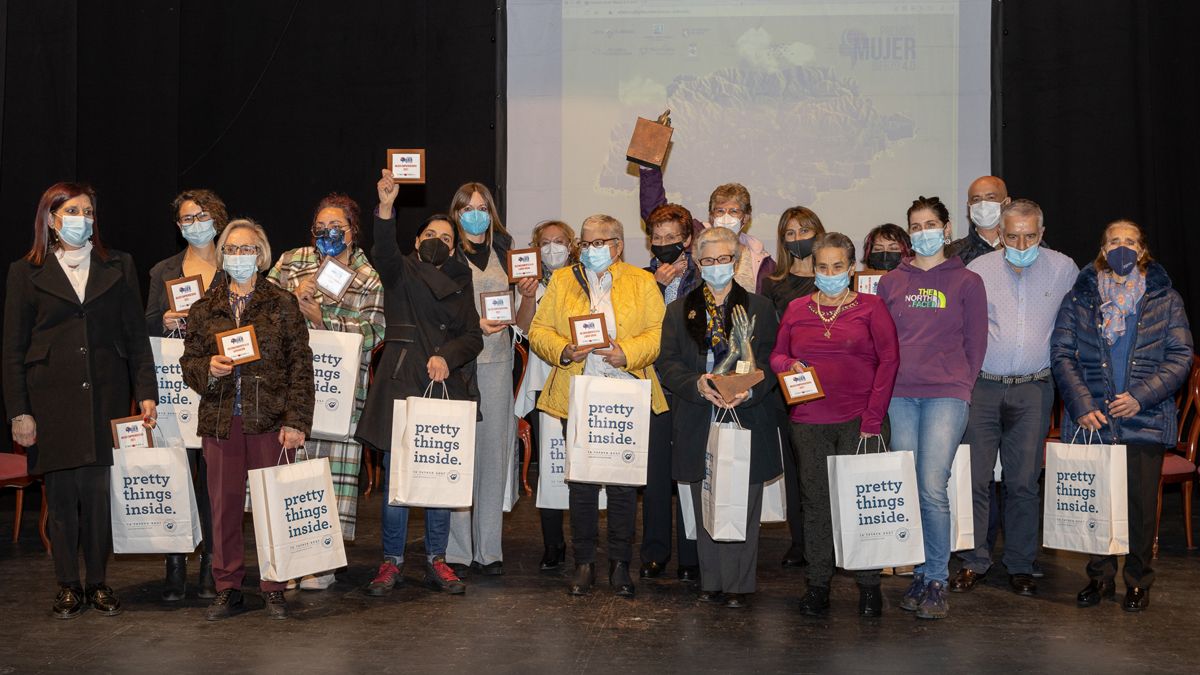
{"x": 228, "y": 461}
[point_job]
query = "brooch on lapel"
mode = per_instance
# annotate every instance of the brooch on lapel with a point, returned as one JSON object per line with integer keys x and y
{"x": 691, "y": 314}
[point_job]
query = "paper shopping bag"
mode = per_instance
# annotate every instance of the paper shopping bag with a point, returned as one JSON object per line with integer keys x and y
{"x": 152, "y": 501}
{"x": 178, "y": 404}
{"x": 608, "y": 429}
{"x": 552, "y": 491}
{"x": 724, "y": 493}
{"x": 433, "y": 453}
{"x": 1086, "y": 507}
{"x": 875, "y": 511}
{"x": 962, "y": 508}
{"x": 337, "y": 358}
{"x": 296, "y": 527}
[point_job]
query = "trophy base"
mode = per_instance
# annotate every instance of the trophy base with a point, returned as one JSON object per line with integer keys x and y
{"x": 732, "y": 385}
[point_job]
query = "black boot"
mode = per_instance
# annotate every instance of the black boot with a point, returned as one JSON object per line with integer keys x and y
{"x": 585, "y": 577}
{"x": 207, "y": 588}
{"x": 175, "y": 585}
{"x": 619, "y": 579}
{"x": 555, "y": 555}
{"x": 870, "y": 601}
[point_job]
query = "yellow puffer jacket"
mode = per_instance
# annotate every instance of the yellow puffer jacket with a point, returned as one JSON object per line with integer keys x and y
{"x": 638, "y": 308}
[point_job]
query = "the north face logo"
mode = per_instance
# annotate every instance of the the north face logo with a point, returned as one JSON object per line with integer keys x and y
{"x": 926, "y": 298}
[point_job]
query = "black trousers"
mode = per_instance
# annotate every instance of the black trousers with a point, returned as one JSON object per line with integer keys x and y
{"x": 77, "y": 502}
{"x": 1143, "y": 465}
{"x": 791, "y": 490}
{"x": 585, "y": 521}
{"x": 657, "y": 500}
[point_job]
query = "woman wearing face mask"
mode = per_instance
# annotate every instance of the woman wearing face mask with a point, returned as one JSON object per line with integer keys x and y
{"x": 798, "y": 229}
{"x": 849, "y": 339}
{"x": 886, "y": 245}
{"x": 483, "y": 245}
{"x": 556, "y": 242}
{"x": 335, "y": 234}
{"x": 1121, "y": 349}
{"x": 432, "y": 335}
{"x": 940, "y": 310}
{"x": 200, "y": 216}
{"x": 633, "y": 309}
{"x": 251, "y": 412}
{"x": 75, "y": 355}
{"x": 696, "y": 337}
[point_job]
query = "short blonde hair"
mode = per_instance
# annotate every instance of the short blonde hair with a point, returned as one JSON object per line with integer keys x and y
{"x": 716, "y": 235}
{"x": 735, "y": 191}
{"x": 264, "y": 246}
{"x": 612, "y": 226}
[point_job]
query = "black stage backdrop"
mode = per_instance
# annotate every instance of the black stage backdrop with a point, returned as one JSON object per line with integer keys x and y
{"x": 274, "y": 103}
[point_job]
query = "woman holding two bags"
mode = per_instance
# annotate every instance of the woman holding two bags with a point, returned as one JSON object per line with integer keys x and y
{"x": 697, "y": 335}
{"x": 1121, "y": 348}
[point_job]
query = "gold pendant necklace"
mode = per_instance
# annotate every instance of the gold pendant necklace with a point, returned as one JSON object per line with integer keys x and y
{"x": 829, "y": 323}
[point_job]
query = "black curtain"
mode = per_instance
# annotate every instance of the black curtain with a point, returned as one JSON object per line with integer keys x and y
{"x": 1099, "y": 105}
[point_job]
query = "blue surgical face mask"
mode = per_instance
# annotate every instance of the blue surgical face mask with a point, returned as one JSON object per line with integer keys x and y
{"x": 833, "y": 284}
{"x": 596, "y": 260}
{"x": 475, "y": 222}
{"x": 240, "y": 267}
{"x": 332, "y": 243}
{"x": 199, "y": 233}
{"x": 1121, "y": 259}
{"x": 76, "y": 230}
{"x": 717, "y": 276}
{"x": 1021, "y": 258}
{"x": 928, "y": 242}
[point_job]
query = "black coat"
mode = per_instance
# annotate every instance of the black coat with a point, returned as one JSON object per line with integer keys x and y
{"x": 682, "y": 361}
{"x": 156, "y": 296}
{"x": 75, "y": 366}
{"x": 429, "y": 311}
{"x": 1159, "y": 361}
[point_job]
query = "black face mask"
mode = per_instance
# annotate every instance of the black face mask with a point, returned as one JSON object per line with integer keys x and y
{"x": 883, "y": 260}
{"x": 801, "y": 248}
{"x": 434, "y": 251}
{"x": 667, "y": 253}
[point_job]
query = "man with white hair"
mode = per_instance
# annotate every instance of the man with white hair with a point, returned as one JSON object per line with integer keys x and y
{"x": 1013, "y": 395}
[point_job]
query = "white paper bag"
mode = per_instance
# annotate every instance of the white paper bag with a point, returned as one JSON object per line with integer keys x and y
{"x": 608, "y": 424}
{"x": 875, "y": 511}
{"x": 337, "y": 358}
{"x": 724, "y": 493}
{"x": 552, "y": 491}
{"x": 512, "y": 477}
{"x": 962, "y": 508}
{"x": 178, "y": 404}
{"x": 774, "y": 499}
{"x": 433, "y": 453}
{"x": 152, "y": 501}
{"x": 1087, "y": 507}
{"x": 296, "y": 526}
{"x": 687, "y": 508}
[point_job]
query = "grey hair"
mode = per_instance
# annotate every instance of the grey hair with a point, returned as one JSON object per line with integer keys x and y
{"x": 1022, "y": 207}
{"x": 264, "y": 246}
{"x": 613, "y": 227}
{"x": 834, "y": 240}
{"x": 715, "y": 235}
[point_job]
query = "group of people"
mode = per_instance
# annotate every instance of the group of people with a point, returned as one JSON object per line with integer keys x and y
{"x": 961, "y": 342}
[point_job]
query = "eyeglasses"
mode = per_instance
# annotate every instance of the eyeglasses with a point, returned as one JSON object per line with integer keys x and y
{"x": 735, "y": 212}
{"x": 76, "y": 211}
{"x": 194, "y": 217}
{"x": 719, "y": 260}
{"x": 598, "y": 243}
{"x": 248, "y": 249}
{"x": 666, "y": 240}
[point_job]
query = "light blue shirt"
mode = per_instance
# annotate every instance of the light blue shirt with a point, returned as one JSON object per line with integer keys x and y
{"x": 1022, "y": 307}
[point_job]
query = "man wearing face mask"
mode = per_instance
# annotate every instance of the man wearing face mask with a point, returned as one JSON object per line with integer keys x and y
{"x": 986, "y": 196}
{"x": 1012, "y": 397}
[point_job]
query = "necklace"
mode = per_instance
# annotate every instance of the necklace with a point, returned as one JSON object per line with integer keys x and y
{"x": 829, "y": 322}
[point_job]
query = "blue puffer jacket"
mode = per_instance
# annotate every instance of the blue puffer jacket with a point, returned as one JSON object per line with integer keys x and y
{"x": 1159, "y": 362}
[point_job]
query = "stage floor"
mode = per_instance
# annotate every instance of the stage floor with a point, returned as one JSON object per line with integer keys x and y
{"x": 525, "y": 622}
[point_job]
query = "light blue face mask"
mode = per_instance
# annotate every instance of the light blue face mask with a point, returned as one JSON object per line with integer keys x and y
{"x": 240, "y": 267}
{"x": 199, "y": 233}
{"x": 596, "y": 260}
{"x": 833, "y": 284}
{"x": 75, "y": 230}
{"x": 1021, "y": 258}
{"x": 475, "y": 222}
{"x": 717, "y": 276}
{"x": 928, "y": 242}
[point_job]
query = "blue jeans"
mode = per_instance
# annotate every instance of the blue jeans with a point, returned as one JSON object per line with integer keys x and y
{"x": 395, "y": 525}
{"x": 932, "y": 429}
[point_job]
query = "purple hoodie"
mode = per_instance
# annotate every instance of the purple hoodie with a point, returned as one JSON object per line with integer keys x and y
{"x": 942, "y": 323}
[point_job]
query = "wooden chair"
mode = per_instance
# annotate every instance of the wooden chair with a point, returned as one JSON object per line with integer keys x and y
{"x": 14, "y": 474}
{"x": 524, "y": 429}
{"x": 1179, "y": 463}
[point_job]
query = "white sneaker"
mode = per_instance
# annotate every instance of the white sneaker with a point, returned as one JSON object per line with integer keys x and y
{"x": 315, "y": 582}
{"x": 291, "y": 584}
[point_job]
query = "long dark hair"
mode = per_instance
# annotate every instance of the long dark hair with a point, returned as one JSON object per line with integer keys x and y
{"x": 45, "y": 238}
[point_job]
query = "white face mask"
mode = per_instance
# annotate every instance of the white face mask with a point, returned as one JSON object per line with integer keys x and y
{"x": 732, "y": 223}
{"x": 554, "y": 255}
{"x": 985, "y": 215}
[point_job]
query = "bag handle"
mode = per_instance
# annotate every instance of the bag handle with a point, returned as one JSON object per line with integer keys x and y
{"x": 429, "y": 390}
{"x": 862, "y": 444}
{"x": 283, "y": 457}
{"x": 725, "y": 413}
{"x": 1087, "y": 439}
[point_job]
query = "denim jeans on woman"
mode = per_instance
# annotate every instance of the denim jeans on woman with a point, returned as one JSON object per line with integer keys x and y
{"x": 932, "y": 429}
{"x": 395, "y": 526}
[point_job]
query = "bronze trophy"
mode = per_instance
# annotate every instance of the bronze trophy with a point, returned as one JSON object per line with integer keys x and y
{"x": 740, "y": 359}
{"x": 648, "y": 146}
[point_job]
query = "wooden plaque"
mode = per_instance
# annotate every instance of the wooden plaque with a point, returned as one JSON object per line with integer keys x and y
{"x": 589, "y": 330}
{"x": 800, "y": 387}
{"x": 334, "y": 278}
{"x": 524, "y": 263}
{"x": 648, "y": 146}
{"x": 407, "y": 165}
{"x": 183, "y": 292}
{"x": 867, "y": 282}
{"x": 130, "y": 432}
{"x": 498, "y": 306}
{"x": 239, "y": 344}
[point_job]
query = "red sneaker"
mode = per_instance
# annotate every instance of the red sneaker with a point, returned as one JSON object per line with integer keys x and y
{"x": 439, "y": 576}
{"x": 385, "y": 580}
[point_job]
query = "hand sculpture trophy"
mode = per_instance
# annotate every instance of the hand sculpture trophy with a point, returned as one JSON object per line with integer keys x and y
{"x": 740, "y": 358}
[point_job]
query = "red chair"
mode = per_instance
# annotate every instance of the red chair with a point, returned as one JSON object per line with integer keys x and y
{"x": 524, "y": 429}
{"x": 1179, "y": 463}
{"x": 14, "y": 474}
